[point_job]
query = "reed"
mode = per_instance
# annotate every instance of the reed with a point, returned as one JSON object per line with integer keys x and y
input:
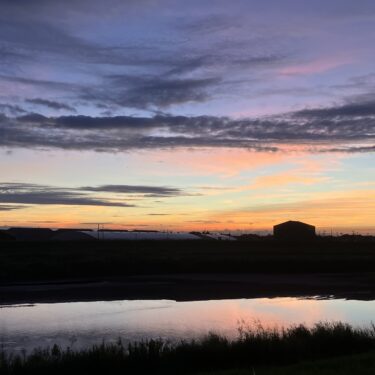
{"x": 255, "y": 348}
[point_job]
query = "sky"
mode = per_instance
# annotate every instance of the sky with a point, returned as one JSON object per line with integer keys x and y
{"x": 176, "y": 115}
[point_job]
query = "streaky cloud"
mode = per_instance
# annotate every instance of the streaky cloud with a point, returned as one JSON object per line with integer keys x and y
{"x": 8, "y": 207}
{"x": 149, "y": 191}
{"x": 51, "y": 104}
{"x": 34, "y": 194}
{"x": 15, "y": 195}
{"x": 348, "y": 126}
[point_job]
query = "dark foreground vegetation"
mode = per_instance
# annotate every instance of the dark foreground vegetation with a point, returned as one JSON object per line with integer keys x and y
{"x": 255, "y": 351}
{"x": 359, "y": 364}
{"x": 64, "y": 260}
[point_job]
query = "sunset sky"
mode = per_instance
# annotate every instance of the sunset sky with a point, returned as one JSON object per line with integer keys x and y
{"x": 187, "y": 115}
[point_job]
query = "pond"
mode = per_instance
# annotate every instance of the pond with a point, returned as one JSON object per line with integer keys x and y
{"x": 81, "y": 324}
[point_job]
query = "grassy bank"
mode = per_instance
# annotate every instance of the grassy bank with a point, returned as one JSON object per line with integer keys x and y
{"x": 359, "y": 364}
{"x": 62, "y": 260}
{"x": 257, "y": 349}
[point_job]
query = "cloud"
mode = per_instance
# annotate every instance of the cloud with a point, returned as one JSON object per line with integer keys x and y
{"x": 176, "y": 59}
{"x": 36, "y": 39}
{"x": 142, "y": 71}
{"x": 8, "y": 207}
{"x": 12, "y": 109}
{"x": 283, "y": 179}
{"x": 204, "y": 221}
{"x": 349, "y": 126}
{"x": 14, "y": 195}
{"x": 350, "y": 150}
{"x": 51, "y": 104}
{"x": 21, "y": 193}
{"x": 148, "y": 191}
{"x": 151, "y": 91}
{"x": 41, "y": 83}
{"x": 350, "y": 109}
{"x": 160, "y": 60}
{"x": 313, "y": 67}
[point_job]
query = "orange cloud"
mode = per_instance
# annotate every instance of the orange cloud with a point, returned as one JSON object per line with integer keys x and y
{"x": 224, "y": 162}
{"x": 283, "y": 179}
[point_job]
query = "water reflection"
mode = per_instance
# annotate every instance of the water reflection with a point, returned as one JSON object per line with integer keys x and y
{"x": 80, "y": 324}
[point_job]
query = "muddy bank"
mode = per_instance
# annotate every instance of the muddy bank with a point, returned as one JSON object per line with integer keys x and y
{"x": 189, "y": 287}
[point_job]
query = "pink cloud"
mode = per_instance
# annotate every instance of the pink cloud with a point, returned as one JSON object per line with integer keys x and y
{"x": 313, "y": 67}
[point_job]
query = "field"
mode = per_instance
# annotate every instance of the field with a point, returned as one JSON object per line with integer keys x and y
{"x": 64, "y": 260}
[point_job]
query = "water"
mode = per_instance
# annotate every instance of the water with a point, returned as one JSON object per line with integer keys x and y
{"x": 81, "y": 324}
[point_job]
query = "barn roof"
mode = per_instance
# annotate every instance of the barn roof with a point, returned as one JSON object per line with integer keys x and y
{"x": 292, "y": 223}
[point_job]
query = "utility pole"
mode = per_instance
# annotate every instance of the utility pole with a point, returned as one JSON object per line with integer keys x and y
{"x": 99, "y": 229}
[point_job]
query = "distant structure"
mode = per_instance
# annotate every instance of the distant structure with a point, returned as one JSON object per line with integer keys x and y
{"x": 71, "y": 235}
{"x": 82, "y": 234}
{"x": 294, "y": 231}
{"x": 4, "y": 236}
{"x": 31, "y": 234}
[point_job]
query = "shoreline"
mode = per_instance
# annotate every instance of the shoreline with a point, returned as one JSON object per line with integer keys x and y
{"x": 191, "y": 287}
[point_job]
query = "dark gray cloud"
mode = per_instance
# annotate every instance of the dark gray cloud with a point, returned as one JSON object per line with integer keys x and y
{"x": 149, "y": 191}
{"x": 26, "y": 39}
{"x": 168, "y": 53}
{"x": 139, "y": 72}
{"x": 196, "y": 77}
{"x": 151, "y": 91}
{"x": 362, "y": 82}
{"x": 154, "y": 62}
{"x": 347, "y": 110}
{"x": 16, "y": 195}
{"x": 204, "y": 221}
{"x": 351, "y": 150}
{"x": 51, "y": 104}
{"x": 42, "y": 83}
{"x": 12, "y": 109}
{"x": 209, "y": 24}
{"x": 337, "y": 126}
{"x": 33, "y": 35}
{"x": 130, "y": 91}
{"x": 8, "y": 207}
{"x": 171, "y": 80}
{"x": 21, "y": 193}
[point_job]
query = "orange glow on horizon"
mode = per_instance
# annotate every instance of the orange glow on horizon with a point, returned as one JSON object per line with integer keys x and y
{"x": 351, "y": 210}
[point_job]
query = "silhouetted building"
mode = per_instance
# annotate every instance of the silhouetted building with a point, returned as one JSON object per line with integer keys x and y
{"x": 294, "y": 231}
{"x": 31, "y": 234}
{"x": 71, "y": 235}
{"x": 4, "y": 236}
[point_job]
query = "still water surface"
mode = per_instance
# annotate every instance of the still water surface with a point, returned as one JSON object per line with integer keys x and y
{"x": 80, "y": 324}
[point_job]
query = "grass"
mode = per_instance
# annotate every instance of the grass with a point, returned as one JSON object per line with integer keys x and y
{"x": 61, "y": 260}
{"x": 359, "y": 364}
{"x": 275, "y": 351}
